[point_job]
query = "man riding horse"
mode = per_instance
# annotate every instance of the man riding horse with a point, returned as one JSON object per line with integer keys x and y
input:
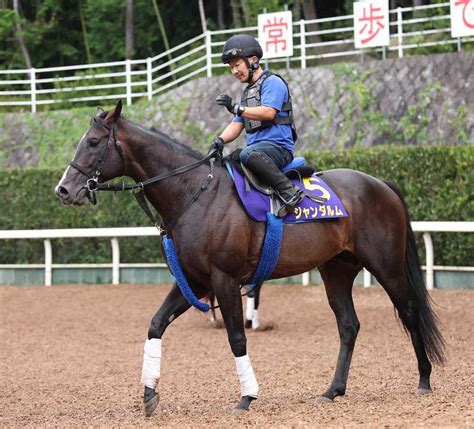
{"x": 265, "y": 111}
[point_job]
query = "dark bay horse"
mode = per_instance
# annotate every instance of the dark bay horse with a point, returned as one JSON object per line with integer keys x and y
{"x": 219, "y": 245}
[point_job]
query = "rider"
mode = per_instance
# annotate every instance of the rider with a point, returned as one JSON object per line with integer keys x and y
{"x": 265, "y": 112}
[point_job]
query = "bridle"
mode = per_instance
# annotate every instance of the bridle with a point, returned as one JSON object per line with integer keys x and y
{"x": 94, "y": 174}
{"x": 92, "y": 185}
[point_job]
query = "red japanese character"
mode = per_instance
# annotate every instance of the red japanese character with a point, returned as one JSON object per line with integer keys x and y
{"x": 371, "y": 21}
{"x": 465, "y": 12}
{"x": 275, "y": 33}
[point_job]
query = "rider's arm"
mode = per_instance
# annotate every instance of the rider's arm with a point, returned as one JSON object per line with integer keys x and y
{"x": 260, "y": 113}
{"x": 232, "y": 131}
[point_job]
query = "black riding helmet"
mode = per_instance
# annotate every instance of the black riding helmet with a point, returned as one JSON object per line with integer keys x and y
{"x": 241, "y": 46}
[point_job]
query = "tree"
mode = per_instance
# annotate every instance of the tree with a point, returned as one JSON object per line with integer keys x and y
{"x": 220, "y": 15}
{"x": 19, "y": 35}
{"x": 236, "y": 19}
{"x": 202, "y": 14}
{"x": 84, "y": 32}
{"x": 129, "y": 30}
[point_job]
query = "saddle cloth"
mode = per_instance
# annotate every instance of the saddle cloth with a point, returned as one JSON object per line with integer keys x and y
{"x": 257, "y": 204}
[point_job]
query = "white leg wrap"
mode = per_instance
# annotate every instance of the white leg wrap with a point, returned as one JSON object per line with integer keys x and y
{"x": 248, "y": 382}
{"x": 151, "y": 363}
{"x": 255, "y": 320}
{"x": 250, "y": 308}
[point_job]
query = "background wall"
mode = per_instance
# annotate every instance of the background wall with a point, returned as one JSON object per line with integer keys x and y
{"x": 423, "y": 100}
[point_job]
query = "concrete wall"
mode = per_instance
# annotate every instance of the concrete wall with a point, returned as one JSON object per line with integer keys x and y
{"x": 427, "y": 100}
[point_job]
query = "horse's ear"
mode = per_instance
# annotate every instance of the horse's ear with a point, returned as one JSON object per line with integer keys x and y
{"x": 114, "y": 114}
{"x": 99, "y": 111}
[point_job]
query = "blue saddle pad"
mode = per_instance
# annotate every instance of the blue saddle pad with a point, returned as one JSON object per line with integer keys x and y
{"x": 257, "y": 205}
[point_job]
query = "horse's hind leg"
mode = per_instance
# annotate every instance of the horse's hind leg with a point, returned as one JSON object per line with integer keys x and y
{"x": 338, "y": 275}
{"x": 252, "y": 317}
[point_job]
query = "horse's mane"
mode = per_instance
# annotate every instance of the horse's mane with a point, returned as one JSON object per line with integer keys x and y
{"x": 187, "y": 150}
{"x": 168, "y": 139}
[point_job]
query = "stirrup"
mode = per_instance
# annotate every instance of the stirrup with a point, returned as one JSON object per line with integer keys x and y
{"x": 290, "y": 204}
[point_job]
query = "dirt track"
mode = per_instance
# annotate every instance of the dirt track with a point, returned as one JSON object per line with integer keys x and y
{"x": 72, "y": 355}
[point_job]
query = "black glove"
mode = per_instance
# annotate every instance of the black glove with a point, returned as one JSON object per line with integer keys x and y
{"x": 218, "y": 146}
{"x": 226, "y": 101}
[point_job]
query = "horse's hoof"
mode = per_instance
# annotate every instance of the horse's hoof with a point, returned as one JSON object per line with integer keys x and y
{"x": 423, "y": 391}
{"x": 323, "y": 400}
{"x": 243, "y": 406}
{"x": 248, "y": 324}
{"x": 238, "y": 412}
{"x": 151, "y": 404}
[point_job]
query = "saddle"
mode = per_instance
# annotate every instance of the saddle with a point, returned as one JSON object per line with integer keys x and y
{"x": 258, "y": 199}
{"x": 295, "y": 170}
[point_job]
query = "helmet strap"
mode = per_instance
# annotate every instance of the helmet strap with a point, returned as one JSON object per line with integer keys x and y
{"x": 251, "y": 70}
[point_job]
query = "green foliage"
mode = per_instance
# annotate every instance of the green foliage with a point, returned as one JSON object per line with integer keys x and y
{"x": 437, "y": 183}
{"x": 29, "y": 194}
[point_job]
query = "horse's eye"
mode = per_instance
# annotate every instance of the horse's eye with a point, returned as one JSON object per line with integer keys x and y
{"x": 93, "y": 142}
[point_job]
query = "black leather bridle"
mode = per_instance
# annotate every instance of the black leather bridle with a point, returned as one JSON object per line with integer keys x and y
{"x": 93, "y": 184}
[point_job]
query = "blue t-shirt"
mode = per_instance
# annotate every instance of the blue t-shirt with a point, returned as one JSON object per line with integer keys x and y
{"x": 274, "y": 94}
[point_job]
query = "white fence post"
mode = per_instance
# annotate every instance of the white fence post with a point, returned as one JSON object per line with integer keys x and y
{"x": 303, "y": 44}
{"x": 367, "y": 278}
{"x": 33, "y": 89}
{"x": 149, "y": 78}
{"x": 115, "y": 261}
{"x": 208, "y": 54}
{"x": 400, "y": 32}
{"x": 48, "y": 263}
{"x": 429, "y": 261}
{"x": 128, "y": 77}
{"x": 305, "y": 279}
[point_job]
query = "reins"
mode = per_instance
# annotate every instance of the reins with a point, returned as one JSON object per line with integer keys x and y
{"x": 93, "y": 185}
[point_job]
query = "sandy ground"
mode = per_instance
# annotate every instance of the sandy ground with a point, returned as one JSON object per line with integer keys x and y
{"x": 71, "y": 356}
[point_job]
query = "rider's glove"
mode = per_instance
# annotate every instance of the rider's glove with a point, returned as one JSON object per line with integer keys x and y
{"x": 218, "y": 146}
{"x": 226, "y": 101}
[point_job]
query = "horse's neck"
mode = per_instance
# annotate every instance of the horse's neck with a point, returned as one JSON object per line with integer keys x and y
{"x": 151, "y": 156}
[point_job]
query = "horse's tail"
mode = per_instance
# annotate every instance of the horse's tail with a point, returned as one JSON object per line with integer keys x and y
{"x": 427, "y": 320}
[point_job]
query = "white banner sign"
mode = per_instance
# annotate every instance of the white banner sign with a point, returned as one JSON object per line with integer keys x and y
{"x": 371, "y": 24}
{"x": 275, "y": 34}
{"x": 462, "y": 18}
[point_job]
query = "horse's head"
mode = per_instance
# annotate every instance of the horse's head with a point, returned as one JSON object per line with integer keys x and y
{"x": 99, "y": 157}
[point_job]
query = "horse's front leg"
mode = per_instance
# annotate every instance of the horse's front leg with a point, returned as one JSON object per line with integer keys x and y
{"x": 227, "y": 292}
{"x": 173, "y": 306}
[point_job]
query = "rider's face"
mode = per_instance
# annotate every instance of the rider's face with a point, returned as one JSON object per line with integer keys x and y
{"x": 239, "y": 69}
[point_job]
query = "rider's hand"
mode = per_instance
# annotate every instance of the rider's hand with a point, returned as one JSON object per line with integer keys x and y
{"x": 218, "y": 146}
{"x": 218, "y": 143}
{"x": 226, "y": 101}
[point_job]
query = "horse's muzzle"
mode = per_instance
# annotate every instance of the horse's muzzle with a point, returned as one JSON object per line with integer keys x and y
{"x": 68, "y": 198}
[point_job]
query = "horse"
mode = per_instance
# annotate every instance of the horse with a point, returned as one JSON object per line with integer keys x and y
{"x": 219, "y": 246}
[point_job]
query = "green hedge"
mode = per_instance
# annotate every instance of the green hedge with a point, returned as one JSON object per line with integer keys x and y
{"x": 437, "y": 182}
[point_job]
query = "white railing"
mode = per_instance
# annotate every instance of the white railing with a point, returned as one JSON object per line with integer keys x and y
{"x": 114, "y": 233}
{"x": 315, "y": 41}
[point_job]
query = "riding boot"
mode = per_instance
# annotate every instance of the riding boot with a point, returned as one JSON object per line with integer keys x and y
{"x": 266, "y": 170}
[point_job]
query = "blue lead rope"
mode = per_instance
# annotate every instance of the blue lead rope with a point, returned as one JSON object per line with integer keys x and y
{"x": 266, "y": 265}
{"x": 270, "y": 251}
{"x": 178, "y": 274}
